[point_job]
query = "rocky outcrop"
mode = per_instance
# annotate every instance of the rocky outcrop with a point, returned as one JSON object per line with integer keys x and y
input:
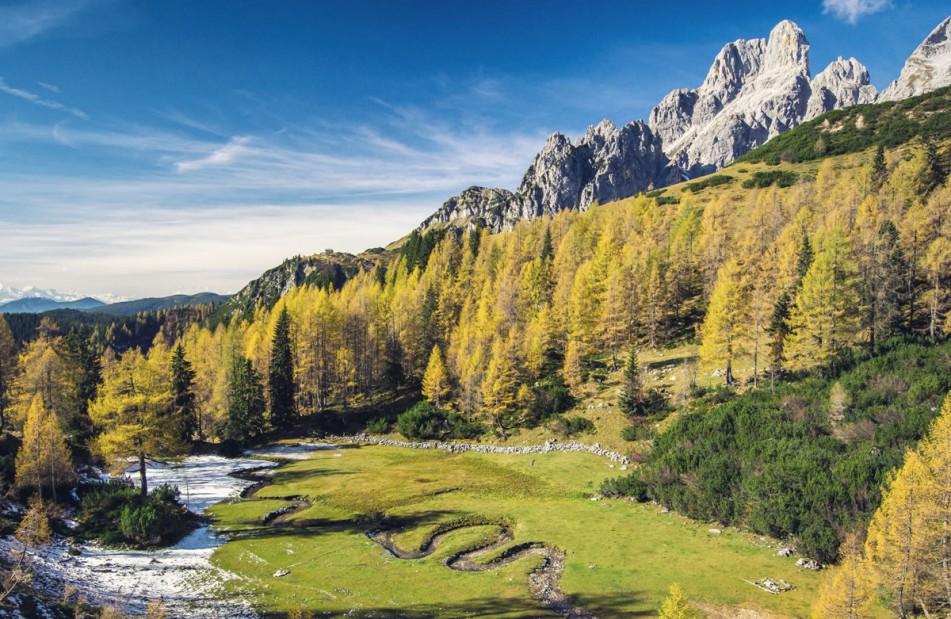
{"x": 842, "y": 84}
{"x": 754, "y": 91}
{"x": 927, "y": 69}
{"x": 480, "y": 203}
{"x": 604, "y": 165}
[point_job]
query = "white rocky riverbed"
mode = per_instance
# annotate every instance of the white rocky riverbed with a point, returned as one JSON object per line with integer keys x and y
{"x": 181, "y": 577}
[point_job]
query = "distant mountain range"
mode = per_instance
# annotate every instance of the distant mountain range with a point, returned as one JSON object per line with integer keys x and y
{"x": 39, "y": 304}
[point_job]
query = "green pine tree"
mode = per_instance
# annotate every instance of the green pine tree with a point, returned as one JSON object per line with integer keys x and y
{"x": 246, "y": 404}
{"x": 631, "y": 397}
{"x": 183, "y": 395}
{"x": 281, "y": 374}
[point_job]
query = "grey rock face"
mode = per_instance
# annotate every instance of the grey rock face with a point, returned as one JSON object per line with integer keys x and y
{"x": 754, "y": 90}
{"x": 842, "y": 84}
{"x": 927, "y": 69}
{"x": 606, "y": 164}
{"x": 489, "y": 205}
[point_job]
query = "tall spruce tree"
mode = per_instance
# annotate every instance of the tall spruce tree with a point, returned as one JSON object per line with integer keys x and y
{"x": 246, "y": 404}
{"x": 183, "y": 395}
{"x": 281, "y": 374}
{"x": 630, "y": 399}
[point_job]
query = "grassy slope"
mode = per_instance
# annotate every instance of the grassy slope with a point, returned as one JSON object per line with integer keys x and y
{"x": 621, "y": 557}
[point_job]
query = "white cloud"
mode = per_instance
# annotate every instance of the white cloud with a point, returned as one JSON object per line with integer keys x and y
{"x": 851, "y": 10}
{"x": 27, "y": 20}
{"x": 49, "y": 87}
{"x": 38, "y": 100}
{"x": 228, "y": 153}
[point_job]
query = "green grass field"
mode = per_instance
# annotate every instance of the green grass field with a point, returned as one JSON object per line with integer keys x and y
{"x": 621, "y": 557}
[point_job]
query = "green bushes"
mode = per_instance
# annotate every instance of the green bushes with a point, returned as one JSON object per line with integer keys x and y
{"x": 568, "y": 426}
{"x": 115, "y": 513}
{"x": 779, "y": 462}
{"x": 629, "y": 486}
{"x": 551, "y": 397}
{"x": 378, "y": 425}
{"x": 425, "y": 421}
{"x": 709, "y": 181}
{"x": 783, "y": 178}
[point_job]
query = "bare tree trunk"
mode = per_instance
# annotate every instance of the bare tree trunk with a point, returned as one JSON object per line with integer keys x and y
{"x": 142, "y": 479}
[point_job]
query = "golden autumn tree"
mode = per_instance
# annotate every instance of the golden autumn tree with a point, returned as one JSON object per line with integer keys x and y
{"x": 44, "y": 459}
{"x": 898, "y": 541}
{"x": 133, "y": 413}
{"x": 676, "y": 605}
{"x": 435, "y": 379}
{"x": 824, "y": 318}
{"x": 500, "y": 387}
{"x": 725, "y": 327}
{"x": 849, "y": 591}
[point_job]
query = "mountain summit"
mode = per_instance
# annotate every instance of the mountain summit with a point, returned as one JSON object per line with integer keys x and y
{"x": 755, "y": 90}
{"x": 928, "y": 68}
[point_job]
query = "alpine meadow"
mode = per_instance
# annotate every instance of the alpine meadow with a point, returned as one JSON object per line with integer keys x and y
{"x": 692, "y": 366}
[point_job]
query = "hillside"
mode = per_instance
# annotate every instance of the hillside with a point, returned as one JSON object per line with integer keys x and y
{"x": 329, "y": 270}
{"x": 156, "y": 304}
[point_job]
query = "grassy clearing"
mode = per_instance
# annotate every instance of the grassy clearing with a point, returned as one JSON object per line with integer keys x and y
{"x": 621, "y": 557}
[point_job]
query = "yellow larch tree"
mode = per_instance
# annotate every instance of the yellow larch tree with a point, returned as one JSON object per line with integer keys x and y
{"x": 435, "y": 380}
{"x": 724, "y": 330}
{"x": 44, "y": 459}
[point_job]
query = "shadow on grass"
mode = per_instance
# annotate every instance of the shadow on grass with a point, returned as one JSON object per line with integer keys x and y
{"x": 311, "y": 527}
{"x": 604, "y": 607}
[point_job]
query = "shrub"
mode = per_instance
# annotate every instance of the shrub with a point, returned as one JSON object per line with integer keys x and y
{"x": 629, "y": 486}
{"x": 709, "y": 181}
{"x": 783, "y": 178}
{"x": 567, "y": 426}
{"x": 550, "y": 397}
{"x": 115, "y": 513}
{"x": 636, "y": 433}
{"x": 378, "y": 425}
{"x": 425, "y": 421}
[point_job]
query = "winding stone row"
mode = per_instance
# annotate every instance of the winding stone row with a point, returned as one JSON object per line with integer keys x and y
{"x": 550, "y": 445}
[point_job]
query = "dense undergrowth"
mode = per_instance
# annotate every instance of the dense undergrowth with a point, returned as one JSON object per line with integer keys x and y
{"x": 115, "y": 513}
{"x": 804, "y": 459}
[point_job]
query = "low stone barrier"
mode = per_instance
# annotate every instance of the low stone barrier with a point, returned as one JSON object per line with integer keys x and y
{"x": 550, "y": 445}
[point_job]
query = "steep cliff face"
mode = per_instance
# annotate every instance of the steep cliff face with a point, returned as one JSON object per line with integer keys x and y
{"x": 605, "y": 164}
{"x": 928, "y": 68}
{"x": 755, "y": 90}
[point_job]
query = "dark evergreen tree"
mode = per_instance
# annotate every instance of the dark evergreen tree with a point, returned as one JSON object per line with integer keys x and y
{"x": 879, "y": 169}
{"x": 805, "y": 258}
{"x": 183, "y": 397}
{"x": 631, "y": 397}
{"x": 548, "y": 251}
{"x": 281, "y": 374}
{"x": 85, "y": 374}
{"x": 778, "y": 330}
{"x": 246, "y": 404}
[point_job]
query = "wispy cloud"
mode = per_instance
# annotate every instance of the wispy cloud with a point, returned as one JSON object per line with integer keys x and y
{"x": 49, "y": 87}
{"x": 36, "y": 99}
{"x": 851, "y": 10}
{"x": 27, "y": 20}
{"x": 228, "y": 153}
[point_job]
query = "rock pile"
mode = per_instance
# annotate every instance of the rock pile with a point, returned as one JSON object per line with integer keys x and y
{"x": 550, "y": 445}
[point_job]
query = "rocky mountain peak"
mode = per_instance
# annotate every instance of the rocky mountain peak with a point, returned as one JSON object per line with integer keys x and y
{"x": 787, "y": 49}
{"x": 843, "y": 83}
{"x": 928, "y": 68}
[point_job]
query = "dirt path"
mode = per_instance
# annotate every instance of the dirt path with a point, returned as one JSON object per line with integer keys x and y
{"x": 542, "y": 582}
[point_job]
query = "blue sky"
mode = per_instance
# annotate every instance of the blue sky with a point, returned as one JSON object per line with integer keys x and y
{"x": 148, "y": 148}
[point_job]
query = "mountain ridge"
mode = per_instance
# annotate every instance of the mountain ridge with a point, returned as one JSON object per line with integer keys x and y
{"x": 754, "y": 90}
